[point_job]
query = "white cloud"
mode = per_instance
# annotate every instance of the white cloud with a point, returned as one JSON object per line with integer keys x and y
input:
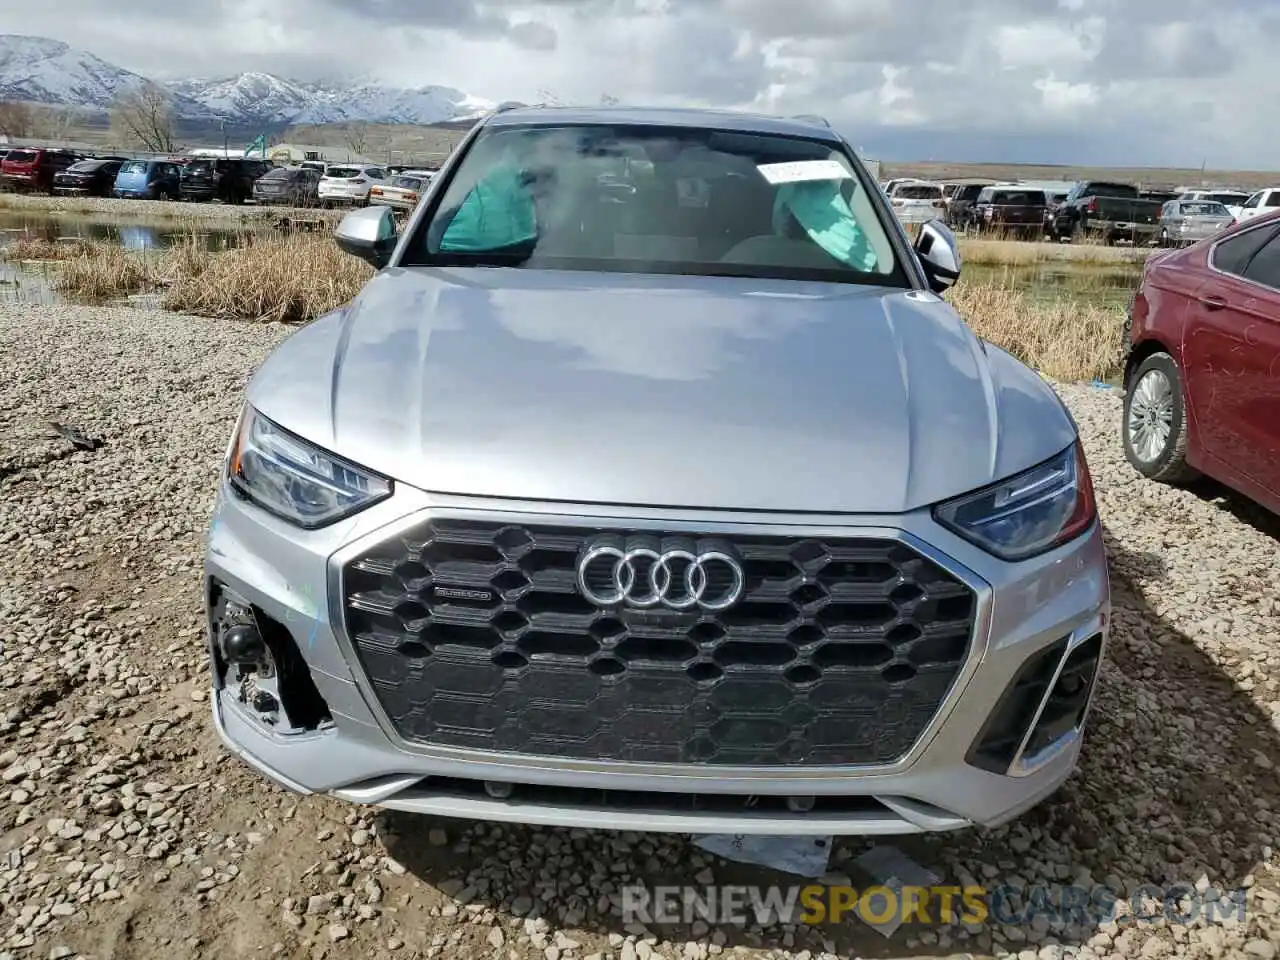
{"x": 1048, "y": 43}
{"x": 1063, "y": 97}
{"x": 1110, "y": 81}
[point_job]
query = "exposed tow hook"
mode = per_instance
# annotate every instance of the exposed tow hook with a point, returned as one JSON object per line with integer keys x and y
{"x": 498, "y": 789}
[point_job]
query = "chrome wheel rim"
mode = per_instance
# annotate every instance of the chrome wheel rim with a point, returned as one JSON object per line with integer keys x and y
{"x": 1151, "y": 416}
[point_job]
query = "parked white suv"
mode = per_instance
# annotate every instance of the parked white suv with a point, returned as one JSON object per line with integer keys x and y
{"x": 1264, "y": 201}
{"x": 349, "y": 183}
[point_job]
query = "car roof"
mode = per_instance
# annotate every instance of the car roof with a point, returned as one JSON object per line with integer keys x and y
{"x": 666, "y": 116}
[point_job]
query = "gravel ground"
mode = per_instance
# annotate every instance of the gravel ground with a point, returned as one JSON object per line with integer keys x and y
{"x": 111, "y": 206}
{"x": 129, "y": 833}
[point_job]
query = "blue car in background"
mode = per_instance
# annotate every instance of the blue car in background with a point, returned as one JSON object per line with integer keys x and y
{"x": 148, "y": 180}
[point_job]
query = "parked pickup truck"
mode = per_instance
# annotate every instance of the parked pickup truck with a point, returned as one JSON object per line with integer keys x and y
{"x": 1014, "y": 210}
{"x": 1106, "y": 211}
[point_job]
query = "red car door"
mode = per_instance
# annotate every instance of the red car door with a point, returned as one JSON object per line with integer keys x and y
{"x": 1231, "y": 357}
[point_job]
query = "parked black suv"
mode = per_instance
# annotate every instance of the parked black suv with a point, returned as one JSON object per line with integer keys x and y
{"x": 230, "y": 181}
{"x": 961, "y": 202}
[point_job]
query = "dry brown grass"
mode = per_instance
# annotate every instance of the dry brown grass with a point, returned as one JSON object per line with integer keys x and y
{"x": 1065, "y": 340}
{"x": 1021, "y": 253}
{"x": 102, "y": 272}
{"x": 298, "y": 277}
{"x": 291, "y": 279}
{"x": 38, "y": 248}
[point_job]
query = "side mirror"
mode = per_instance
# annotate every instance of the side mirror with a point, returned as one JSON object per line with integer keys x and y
{"x": 939, "y": 255}
{"x": 368, "y": 233}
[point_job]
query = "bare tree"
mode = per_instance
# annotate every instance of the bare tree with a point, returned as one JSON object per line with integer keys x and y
{"x": 54, "y": 123}
{"x": 609, "y": 100}
{"x": 15, "y": 119}
{"x": 356, "y": 136}
{"x": 144, "y": 115}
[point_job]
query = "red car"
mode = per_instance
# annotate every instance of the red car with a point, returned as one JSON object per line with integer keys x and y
{"x": 1202, "y": 378}
{"x": 34, "y": 169}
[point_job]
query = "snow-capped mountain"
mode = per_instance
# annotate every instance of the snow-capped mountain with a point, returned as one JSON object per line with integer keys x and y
{"x": 49, "y": 71}
{"x": 267, "y": 98}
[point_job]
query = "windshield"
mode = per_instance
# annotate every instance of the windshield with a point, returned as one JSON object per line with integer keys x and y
{"x": 409, "y": 183}
{"x": 279, "y": 173}
{"x": 135, "y": 166}
{"x": 651, "y": 199}
{"x": 1234, "y": 198}
{"x": 920, "y": 191}
{"x": 343, "y": 173}
{"x": 200, "y": 166}
{"x": 20, "y": 156}
{"x": 87, "y": 166}
{"x": 1204, "y": 208}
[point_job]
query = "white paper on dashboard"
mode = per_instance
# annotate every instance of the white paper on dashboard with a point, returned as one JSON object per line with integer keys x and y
{"x": 796, "y": 171}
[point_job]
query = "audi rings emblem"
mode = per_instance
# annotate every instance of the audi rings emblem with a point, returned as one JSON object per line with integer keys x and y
{"x": 677, "y": 575}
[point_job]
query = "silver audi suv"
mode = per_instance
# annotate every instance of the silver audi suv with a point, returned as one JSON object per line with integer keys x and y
{"x": 651, "y": 484}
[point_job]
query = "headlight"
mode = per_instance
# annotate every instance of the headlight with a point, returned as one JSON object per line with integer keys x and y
{"x": 1027, "y": 514}
{"x": 296, "y": 480}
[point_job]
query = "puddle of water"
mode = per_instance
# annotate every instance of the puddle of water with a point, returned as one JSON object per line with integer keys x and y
{"x": 27, "y": 283}
{"x": 131, "y": 234}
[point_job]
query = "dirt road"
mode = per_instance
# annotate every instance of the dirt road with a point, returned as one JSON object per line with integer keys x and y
{"x": 129, "y": 833}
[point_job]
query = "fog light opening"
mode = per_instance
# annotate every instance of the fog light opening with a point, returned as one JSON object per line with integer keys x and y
{"x": 1062, "y": 716}
{"x": 261, "y": 668}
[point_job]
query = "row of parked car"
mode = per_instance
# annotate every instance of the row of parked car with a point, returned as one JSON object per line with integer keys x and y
{"x": 1089, "y": 210}
{"x": 230, "y": 180}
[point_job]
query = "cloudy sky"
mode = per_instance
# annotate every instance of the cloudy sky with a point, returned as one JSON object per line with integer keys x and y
{"x": 1167, "y": 82}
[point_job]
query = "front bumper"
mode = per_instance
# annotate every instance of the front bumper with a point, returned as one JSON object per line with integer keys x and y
{"x": 292, "y": 578}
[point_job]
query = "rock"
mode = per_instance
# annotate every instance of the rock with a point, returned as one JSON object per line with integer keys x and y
{"x": 359, "y": 838}
{"x": 1261, "y": 949}
{"x": 496, "y": 938}
{"x": 437, "y": 837}
{"x": 291, "y": 919}
{"x": 318, "y": 904}
{"x": 338, "y": 932}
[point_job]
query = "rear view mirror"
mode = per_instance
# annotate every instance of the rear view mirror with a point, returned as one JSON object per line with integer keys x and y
{"x": 368, "y": 233}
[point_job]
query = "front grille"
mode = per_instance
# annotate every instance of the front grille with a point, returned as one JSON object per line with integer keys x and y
{"x": 476, "y": 634}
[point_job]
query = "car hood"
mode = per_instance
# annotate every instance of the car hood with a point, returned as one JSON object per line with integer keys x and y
{"x": 675, "y": 391}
